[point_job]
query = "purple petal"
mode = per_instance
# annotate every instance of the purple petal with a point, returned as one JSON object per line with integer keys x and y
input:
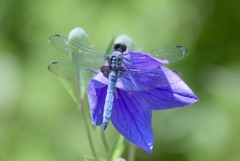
{"x": 145, "y": 72}
{"x": 142, "y": 61}
{"x": 96, "y": 99}
{"x": 174, "y": 94}
{"x": 129, "y": 116}
{"x": 145, "y": 79}
{"x": 132, "y": 118}
{"x": 178, "y": 95}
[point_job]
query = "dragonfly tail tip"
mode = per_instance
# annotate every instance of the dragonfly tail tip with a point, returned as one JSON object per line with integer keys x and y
{"x": 104, "y": 127}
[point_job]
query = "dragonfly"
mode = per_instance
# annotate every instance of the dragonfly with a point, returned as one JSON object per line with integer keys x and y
{"x": 119, "y": 68}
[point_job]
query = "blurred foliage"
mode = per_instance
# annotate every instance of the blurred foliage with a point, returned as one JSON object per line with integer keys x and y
{"x": 39, "y": 120}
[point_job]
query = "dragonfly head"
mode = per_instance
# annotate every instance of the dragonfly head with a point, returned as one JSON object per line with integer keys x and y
{"x": 120, "y": 47}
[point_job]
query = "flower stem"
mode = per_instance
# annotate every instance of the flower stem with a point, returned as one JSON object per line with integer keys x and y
{"x": 131, "y": 152}
{"x": 104, "y": 140}
{"x": 79, "y": 35}
{"x": 85, "y": 122}
{"x": 88, "y": 131}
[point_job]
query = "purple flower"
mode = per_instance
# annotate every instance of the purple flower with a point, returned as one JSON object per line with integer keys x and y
{"x": 159, "y": 88}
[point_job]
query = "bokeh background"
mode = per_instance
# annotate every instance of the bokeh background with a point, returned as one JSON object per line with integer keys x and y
{"x": 39, "y": 121}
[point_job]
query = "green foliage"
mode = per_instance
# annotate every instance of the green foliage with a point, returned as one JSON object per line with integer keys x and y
{"x": 86, "y": 158}
{"x": 117, "y": 148}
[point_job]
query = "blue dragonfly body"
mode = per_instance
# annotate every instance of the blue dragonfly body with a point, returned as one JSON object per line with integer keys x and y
{"x": 117, "y": 66}
{"x": 112, "y": 71}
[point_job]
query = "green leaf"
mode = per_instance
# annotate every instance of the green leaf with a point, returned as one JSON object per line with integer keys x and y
{"x": 77, "y": 92}
{"x": 70, "y": 88}
{"x": 87, "y": 158}
{"x": 117, "y": 149}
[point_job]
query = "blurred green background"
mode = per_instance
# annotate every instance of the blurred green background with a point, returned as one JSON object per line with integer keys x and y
{"x": 40, "y": 122}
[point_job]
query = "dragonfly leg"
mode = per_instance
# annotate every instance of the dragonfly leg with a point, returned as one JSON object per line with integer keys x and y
{"x": 120, "y": 72}
{"x": 105, "y": 70}
{"x": 128, "y": 60}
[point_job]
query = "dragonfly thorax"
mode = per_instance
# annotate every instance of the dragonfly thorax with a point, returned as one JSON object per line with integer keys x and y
{"x": 115, "y": 61}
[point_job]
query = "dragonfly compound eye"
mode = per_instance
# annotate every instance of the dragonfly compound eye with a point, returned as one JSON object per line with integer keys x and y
{"x": 120, "y": 47}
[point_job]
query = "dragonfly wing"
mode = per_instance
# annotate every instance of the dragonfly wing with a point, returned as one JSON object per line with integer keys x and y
{"x": 138, "y": 80}
{"x": 77, "y": 74}
{"x": 171, "y": 54}
{"x": 143, "y": 72}
{"x": 78, "y": 53}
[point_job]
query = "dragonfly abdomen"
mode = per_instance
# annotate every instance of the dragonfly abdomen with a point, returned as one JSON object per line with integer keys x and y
{"x": 112, "y": 79}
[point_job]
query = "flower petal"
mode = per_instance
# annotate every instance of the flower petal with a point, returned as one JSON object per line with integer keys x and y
{"x": 129, "y": 116}
{"x": 140, "y": 60}
{"x": 96, "y": 97}
{"x": 144, "y": 72}
{"x": 145, "y": 79}
{"x": 132, "y": 118}
{"x": 178, "y": 95}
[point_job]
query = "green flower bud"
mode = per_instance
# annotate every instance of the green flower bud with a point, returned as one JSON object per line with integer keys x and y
{"x": 79, "y": 36}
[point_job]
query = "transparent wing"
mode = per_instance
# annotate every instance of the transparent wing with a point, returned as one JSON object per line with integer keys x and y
{"x": 143, "y": 73}
{"x": 138, "y": 80}
{"x": 172, "y": 54}
{"x": 80, "y": 75}
{"x": 78, "y": 53}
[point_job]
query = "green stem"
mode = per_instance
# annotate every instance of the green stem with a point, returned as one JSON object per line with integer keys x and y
{"x": 80, "y": 103}
{"x": 85, "y": 119}
{"x": 104, "y": 140}
{"x": 131, "y": 152}
{"x": 88, "y": 131}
